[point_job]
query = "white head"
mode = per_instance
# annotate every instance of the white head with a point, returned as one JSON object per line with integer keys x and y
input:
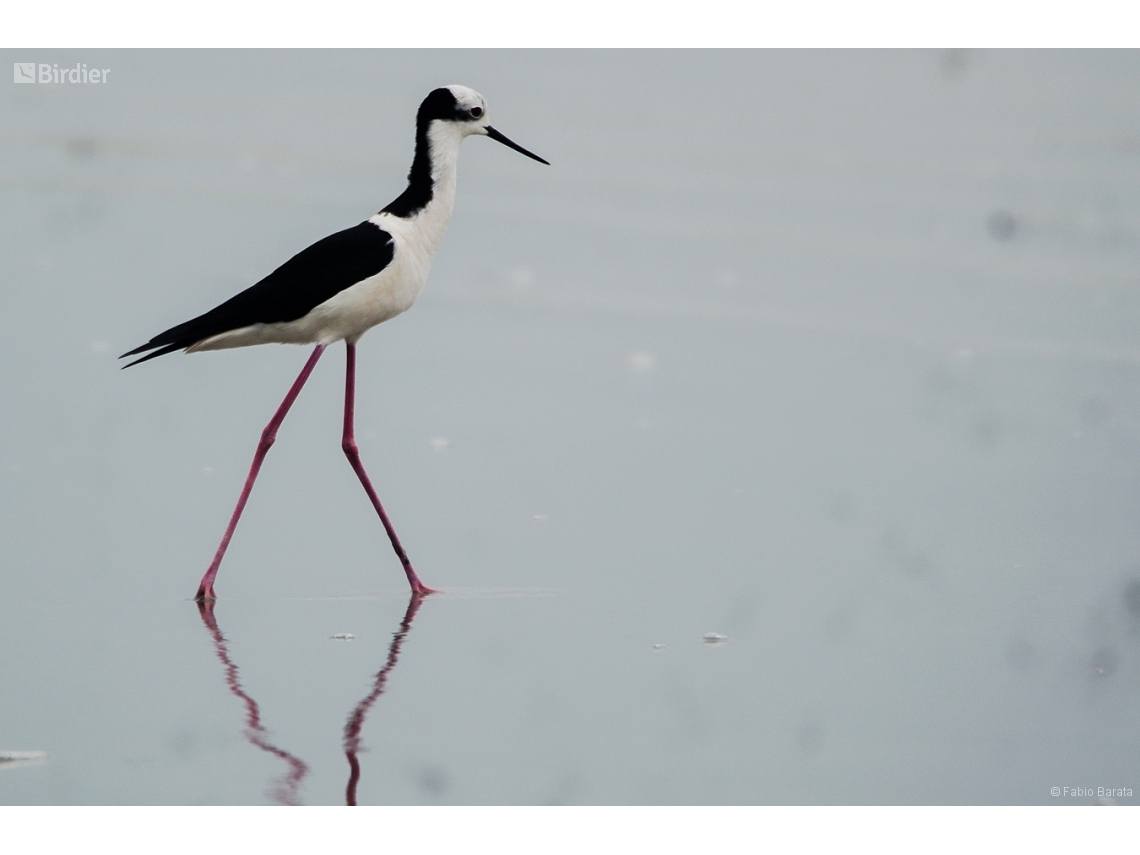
{"x": 463, "y": 112}
{"x": 445, "y": 118}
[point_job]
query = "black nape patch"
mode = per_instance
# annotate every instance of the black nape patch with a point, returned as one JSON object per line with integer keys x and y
{"x": 439, "y": 104}
{"x": 302, "y": 283}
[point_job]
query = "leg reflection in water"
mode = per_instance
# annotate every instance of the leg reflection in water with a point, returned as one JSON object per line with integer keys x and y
{"x": 355, "y": 722}
{"x": 284, "y": 789}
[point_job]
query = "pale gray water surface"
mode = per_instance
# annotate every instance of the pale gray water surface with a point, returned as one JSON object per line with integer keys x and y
{"x": 833, "y": 354}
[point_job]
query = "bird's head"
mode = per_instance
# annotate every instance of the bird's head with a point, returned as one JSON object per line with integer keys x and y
{"x": 464, "y": 112}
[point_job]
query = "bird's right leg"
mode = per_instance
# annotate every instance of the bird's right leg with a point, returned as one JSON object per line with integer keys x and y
{"x": 268, "y": 436}
{"x": 348, "y": 444}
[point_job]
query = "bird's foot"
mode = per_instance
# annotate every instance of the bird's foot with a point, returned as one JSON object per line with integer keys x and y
{"x": 419, "y": 589}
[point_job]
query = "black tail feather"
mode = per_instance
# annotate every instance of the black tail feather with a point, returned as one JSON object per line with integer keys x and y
{"x": 170, "y": 348}
{"x": 150, "y": 345}
{"x": 176, "y": 338}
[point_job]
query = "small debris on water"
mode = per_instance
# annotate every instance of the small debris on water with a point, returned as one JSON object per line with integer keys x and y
{"x": 342, "y": 636}
{"x": 658, "y": 647}
{"x": 539, "y": 518}
{"x": 440, "y": 444}
{"x": 714, "y": 638}
{"x": 1104, "y": 661}
{"x": 9, "y": 759}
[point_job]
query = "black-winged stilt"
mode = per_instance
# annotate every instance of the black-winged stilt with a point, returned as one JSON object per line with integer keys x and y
{"x": 344, "y": 285}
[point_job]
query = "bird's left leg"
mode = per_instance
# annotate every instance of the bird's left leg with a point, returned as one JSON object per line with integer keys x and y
{"x": 268, "y": 437}
{"x": 348, "y": 443}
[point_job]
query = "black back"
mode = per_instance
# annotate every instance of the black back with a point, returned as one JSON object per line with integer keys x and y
{"x": 290, "y": 292}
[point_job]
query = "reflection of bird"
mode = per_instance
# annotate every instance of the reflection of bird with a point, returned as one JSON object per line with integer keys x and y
{"x": 344, "y": 285}
{"x": 285, "y": 788}
{"x": 355, "y": 722}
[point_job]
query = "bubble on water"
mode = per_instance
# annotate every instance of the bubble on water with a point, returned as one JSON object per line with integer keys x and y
{"x": 1021, "y": 655}
{"x": 81, "y": 148}
{"x": 434, "y": 780}
{"x": 342, "y": 636}
{"x": 642, "y": 362}
{"x": 539, "y": 518}
{"x": 1095, "y": 411}
{"x": 954, "y": 62}
{"x": 658, "y": 647}
{"x": 440, "y": 444}
{"x": 1001, "y": 225}
{"x": 844, "y": 508}
{"x": 714, "y": 638}
{"x": 1132, "y": 598}
{"x": 811, "y": 736}
{"x": 1104, "y": 661}
{"x": 521, "y": 278}
{"x": 987, "y": 430}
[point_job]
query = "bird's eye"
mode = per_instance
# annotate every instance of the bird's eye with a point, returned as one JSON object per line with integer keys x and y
{"x": 476, "y": 112}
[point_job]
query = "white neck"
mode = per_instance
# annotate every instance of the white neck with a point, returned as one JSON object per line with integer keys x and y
{"x": 434, "y": 217}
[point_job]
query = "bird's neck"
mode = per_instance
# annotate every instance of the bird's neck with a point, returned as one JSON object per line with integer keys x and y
{"x": 430, "y": 196}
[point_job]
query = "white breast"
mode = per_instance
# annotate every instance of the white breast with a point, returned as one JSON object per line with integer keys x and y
{"x": 392, "y": 291}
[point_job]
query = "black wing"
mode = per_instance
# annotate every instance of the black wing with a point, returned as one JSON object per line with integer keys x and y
{"x": 290, "y": 292}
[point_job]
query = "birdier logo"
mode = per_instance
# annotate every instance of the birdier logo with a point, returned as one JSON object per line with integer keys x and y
{"x": 44, "y": 72}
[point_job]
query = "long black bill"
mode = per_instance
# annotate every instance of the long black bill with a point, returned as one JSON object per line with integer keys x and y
{"x": 495, "y": 135}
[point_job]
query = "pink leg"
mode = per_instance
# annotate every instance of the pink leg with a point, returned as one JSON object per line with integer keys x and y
{"x": 348, "y": 443}
{"x": 268, "y": 436}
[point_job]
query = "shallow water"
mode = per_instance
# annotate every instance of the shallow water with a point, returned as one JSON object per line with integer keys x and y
{"x": 832, "y": 354}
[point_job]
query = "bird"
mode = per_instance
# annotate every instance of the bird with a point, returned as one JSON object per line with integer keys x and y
{"x": 342, "y": 286}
